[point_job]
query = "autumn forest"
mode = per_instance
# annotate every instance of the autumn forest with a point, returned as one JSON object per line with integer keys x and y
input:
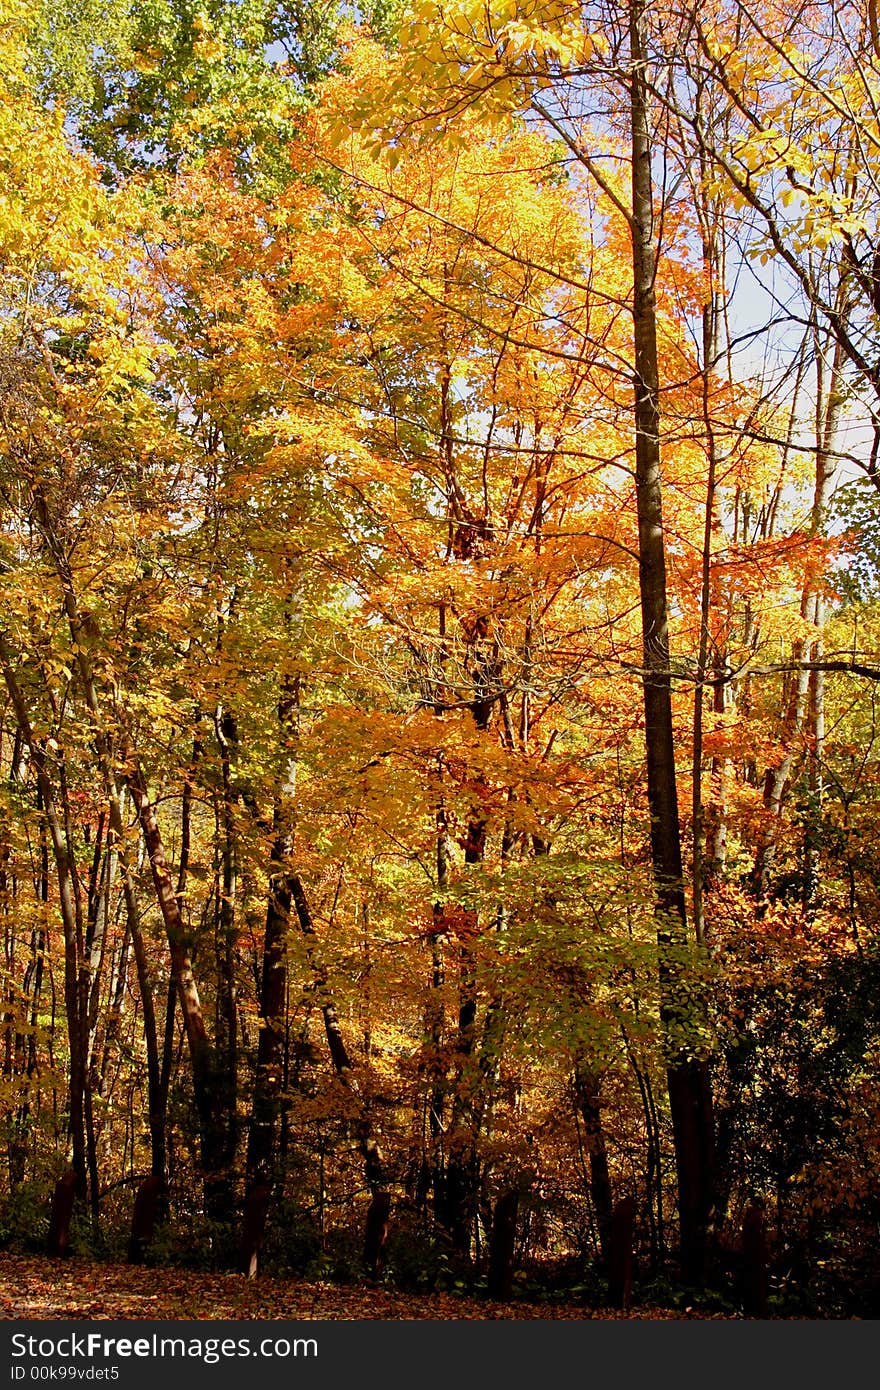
{"x": 440, "y": 645}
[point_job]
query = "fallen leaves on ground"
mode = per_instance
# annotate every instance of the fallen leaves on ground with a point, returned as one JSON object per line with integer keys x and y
{"x": 38, "y": 1287}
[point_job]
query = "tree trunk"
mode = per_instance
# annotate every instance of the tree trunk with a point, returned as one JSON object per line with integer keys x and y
{"x": 143, "y": 1218}
{"x": 376, "y": 1235}
{"x": 63, "y": 1197}
{"x": 157, "y": 1094}
{"x": 462, "y": 1167}
{"x": 431, "y": 1175}
{"x": 754, "y": 1261}
{"x": 620, "y": 1255}
{"x": 226, "y": 1016}
{"x": 701, "y": 853}
{"x": 808, "y": 694}
{"x": 587, "y": 1083}
{"x": 502, "y": 1246}
{"x": 688, "y": 1079}
{"x": 260, "y": 1169}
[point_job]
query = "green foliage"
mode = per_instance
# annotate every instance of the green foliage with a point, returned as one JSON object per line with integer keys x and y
{"x": 23, "y": 1217}
{"x": 193, "y": 1241}
{"x": 76, "y": 45}
{"x": 800, "y": 1035}
{"x": 420, "y": 1258}
{"x": 857, "y": 514}
{"x": 199, "y": 76}
{"x": 293, "y": 1239}
{"x": 150, "y": 84}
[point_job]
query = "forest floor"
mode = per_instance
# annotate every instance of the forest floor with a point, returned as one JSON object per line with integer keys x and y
{"x": 33, "y": 1286}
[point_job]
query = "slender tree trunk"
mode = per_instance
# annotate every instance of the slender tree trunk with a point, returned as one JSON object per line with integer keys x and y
{"x": 269, "y": 1078}
{"x": 226, "y": 1026}
{"x": 808, "y": 691}
{"x": 157, "y": 1094}
{"x": 101, "y": 884}
{"x": 36, "y": 970}
{"x": 432, "y": 1175}
{"x": 462, "y": 1167}
{"x": 26, "y": 1038}
{"x": 826, "y": 473}
{"x": 710, "y": 350}
{"x": 687, "y": 1077}
{"x": 587, "y": 1083}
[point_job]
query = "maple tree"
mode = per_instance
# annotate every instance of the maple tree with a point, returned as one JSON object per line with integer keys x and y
{"x": 438, "y": 733}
